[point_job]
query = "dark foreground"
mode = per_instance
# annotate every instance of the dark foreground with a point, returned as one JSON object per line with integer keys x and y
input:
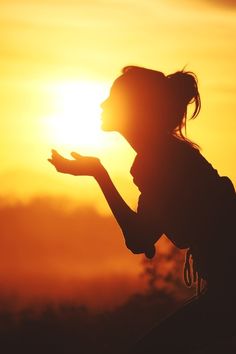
{"x": 68, "y": 329}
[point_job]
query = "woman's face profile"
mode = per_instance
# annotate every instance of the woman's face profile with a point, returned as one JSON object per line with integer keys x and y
{"x": 130, "y": 108}
{"x": 117, "y": 108}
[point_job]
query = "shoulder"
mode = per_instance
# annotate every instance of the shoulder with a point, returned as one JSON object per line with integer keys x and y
{"x": 174, "y": 155}
{"x": 171, "y": 166}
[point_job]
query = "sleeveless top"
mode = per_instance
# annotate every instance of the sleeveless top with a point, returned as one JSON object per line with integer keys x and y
{"x": 183, "y": 196}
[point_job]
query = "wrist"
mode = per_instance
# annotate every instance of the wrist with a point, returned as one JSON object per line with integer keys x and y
{"x": 101, "y": 173}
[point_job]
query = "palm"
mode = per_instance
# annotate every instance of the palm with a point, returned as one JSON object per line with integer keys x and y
{"x": 79, "y": 166}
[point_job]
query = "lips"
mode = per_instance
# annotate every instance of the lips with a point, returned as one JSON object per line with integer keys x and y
{"x": 103, "y": 115}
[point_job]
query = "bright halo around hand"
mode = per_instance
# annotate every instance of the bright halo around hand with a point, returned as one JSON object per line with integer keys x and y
{"x": 77, "y": 120}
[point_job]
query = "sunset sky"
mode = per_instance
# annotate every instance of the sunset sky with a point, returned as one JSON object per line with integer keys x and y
{"x": 58, "y": 59}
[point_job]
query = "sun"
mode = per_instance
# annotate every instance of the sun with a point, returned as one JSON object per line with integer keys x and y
{"x": 76, "y": 121}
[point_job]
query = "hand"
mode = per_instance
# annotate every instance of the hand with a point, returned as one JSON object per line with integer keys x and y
{"x": 79, "y": 166}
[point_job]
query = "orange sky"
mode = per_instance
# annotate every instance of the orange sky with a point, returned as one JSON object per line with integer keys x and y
{"x": 47, "y": 43}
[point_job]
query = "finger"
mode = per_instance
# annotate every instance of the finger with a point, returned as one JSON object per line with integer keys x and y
{"x": 75, "y": 155}
{"x": 51, "y": 161}
{"x": 55, "y": 154}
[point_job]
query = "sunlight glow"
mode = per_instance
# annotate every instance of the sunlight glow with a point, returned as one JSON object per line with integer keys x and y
{"x": 77, "y": 120}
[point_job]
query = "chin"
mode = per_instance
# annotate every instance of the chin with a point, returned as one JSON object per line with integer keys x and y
{"x": 106, "y": 127}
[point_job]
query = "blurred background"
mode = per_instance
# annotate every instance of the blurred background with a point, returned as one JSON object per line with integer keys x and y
{"x": 59, "y": 242}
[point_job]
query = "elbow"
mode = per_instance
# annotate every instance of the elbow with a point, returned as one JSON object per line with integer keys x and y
{"x": 148, "y": 250}
{"x": 140, "y": 242}
{"x": 134, "y": 248}
{"x": 135, "y": 241}
{"x": 139, "y": 238}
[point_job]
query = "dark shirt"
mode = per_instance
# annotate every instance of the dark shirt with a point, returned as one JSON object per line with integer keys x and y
{"x": 183, "y": 196}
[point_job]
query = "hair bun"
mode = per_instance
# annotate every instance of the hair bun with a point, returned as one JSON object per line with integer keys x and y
{"x": 184, "y": 85}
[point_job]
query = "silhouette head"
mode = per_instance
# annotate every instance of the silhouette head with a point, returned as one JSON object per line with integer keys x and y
{"x": 144, "y": 101}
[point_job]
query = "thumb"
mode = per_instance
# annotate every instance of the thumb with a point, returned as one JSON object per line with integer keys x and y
{"x": 75, "y": 155}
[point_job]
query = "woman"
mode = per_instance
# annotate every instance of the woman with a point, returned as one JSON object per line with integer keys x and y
{"x": 182, "y": 196}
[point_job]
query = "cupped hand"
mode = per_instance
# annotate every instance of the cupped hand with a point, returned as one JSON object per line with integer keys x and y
{"x": 79, "y": 166}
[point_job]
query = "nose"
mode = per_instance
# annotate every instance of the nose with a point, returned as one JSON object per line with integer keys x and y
{"x": 103, "y": 104}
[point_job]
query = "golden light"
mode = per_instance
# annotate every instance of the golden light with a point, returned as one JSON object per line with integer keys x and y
{"x": 77, "y": 121}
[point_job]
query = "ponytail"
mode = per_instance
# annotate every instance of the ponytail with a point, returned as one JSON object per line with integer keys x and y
{"x": 183, "y": 89}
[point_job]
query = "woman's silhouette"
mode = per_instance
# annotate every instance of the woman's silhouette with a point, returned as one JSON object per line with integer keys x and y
{"x": 182, "y": 196}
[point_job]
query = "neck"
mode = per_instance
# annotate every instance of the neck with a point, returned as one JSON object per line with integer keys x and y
{"x": 141, "y": 143}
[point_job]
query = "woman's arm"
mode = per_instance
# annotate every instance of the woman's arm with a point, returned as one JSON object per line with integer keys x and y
{"x": 139, "y": 236}
{"x": 137, "y": 231}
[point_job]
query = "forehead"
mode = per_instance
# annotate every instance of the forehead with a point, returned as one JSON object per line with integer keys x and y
{"x": 141, "y": 80}
{"x": 120, "y": 83}
{"x": 127, "y": 86}
{"x": 138, "y": 88}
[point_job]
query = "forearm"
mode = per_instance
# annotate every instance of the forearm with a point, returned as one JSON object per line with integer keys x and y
{"x": 138, "y": 237}
{"x": 91, "y": 166}
{"x": 120, "y": 209}
{"x": 134, "y": 227}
